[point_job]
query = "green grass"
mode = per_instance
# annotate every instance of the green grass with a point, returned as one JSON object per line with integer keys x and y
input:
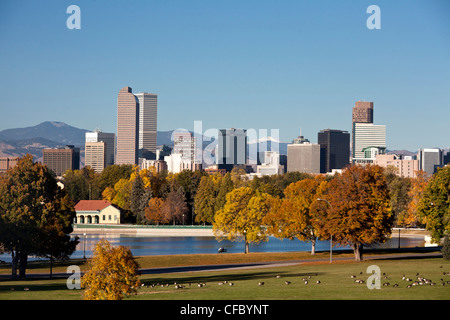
{"x": 336, "y": 283}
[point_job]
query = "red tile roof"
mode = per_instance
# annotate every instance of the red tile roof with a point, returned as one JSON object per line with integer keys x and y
{"x": 92, "y": 205}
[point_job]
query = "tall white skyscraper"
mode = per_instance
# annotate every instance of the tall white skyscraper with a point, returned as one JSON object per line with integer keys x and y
{"x": 367, "y": 135}
{"x": 148, "y": 105}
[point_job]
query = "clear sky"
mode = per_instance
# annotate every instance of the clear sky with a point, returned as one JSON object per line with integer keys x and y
{"x": 262, "y": 64}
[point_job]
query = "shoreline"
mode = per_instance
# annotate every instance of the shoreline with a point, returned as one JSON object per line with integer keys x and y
{"x": 201, "y": 231}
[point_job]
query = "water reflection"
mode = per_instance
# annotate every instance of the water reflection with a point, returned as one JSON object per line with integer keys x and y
{"x": 150, "y": 245}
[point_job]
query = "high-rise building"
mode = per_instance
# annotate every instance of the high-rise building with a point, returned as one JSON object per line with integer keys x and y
{"x": 303, "y": 157}
{"x": 231, "y": 148}
{"x": 110, "y": 144}
{"x": 148, "y": 107}
{"x": 59, "y": 160}
{"x": 334, "y": 149}
{"x": 430, "y": 159}
{"x": 95, "y": 155}
{"x": 127, "y": 127}
{"x": 7, "y": 163}
{"x": 367, "y": 135}
{"x": 362, "y": 112}
{"x": 184, "y": 144}
{"x": 271, "y": 164}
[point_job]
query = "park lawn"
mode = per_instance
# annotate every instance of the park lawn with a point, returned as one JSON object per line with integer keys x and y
{"x": 336, "y": 283}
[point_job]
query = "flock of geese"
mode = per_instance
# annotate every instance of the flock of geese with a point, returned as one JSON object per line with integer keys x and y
{"x": 419, "y": 281}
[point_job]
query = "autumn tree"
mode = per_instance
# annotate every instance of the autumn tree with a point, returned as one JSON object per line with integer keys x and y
{"x": 241, "y": 217}
{"x": 226, "y": 185}
{"x": 174, "y": 209}
{"x": 291, "y": 217}
{"x": 33, "y": 211}
{"x": 434, "y": 206}
{"x": 113, "y": 273}
{"x": 399, "y": 194}
{"x": 411, "y": 217}
{"x": 153, "y": 211}
{"x": 360, "y": 213}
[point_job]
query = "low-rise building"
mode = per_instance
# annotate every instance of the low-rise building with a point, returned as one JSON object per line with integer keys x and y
{"x": 96, "y": 212}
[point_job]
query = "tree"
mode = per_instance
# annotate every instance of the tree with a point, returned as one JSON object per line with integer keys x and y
{"x": 399, "y": 192}
{"x": 205, "y": 201}
{"x": 226, "y": 186}
{"x": 153, "y": 211}
{"x": 242, "y": 216}
{"x": 411, "y": 217}
{"x": 292, "y": 217}
{"x": 139, "y": 197}
{"x": 174, "y": 208}
{"x": 434, "y": 206}
{"x": 360, "y": 214}
{"x": 113, "y": 273}
{"x": 32, "y": 204}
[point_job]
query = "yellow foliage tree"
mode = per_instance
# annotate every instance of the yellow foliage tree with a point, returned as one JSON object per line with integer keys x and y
{"x": 112, "y": 274}
{"x": 242, "y": 216}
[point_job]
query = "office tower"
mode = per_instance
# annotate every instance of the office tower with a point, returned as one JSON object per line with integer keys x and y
{"x": 59, "y": 160}
{"x": 367, "y": 135}
{"x": 127, "y": 127}
{"x": 430, "y": 159}
{"x": 334, "y": 149}
{"x": 148, "y": 105}
{"x": 184, "y": 144}
{"x": 362, "y": 112}
{"x": 303, "y": 157}
{"x": 231, "y": 148}
{"x": 110, "y": 144}
{"x": 95, "y": 156}
{"x": 7, "y": 163}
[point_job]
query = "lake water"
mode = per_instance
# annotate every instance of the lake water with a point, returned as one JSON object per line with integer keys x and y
{"x": 151, "y": 245}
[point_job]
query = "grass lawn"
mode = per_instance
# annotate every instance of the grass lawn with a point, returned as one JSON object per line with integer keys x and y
{"x": 335, "y": 282}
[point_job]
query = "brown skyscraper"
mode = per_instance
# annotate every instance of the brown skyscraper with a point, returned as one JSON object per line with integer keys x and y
{"x": 127, "y": 127}
{"x": 362, "y": 112}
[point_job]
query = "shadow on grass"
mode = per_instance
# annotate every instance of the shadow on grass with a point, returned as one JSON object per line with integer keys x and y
{"x": 235, "y": 276}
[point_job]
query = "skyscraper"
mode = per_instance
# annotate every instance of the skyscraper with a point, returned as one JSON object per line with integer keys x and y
{"x": 334, "y": 149}
{"x": 231, "y": 148}
{"x": 430, "y": 159}
{"x": 95, "y": 155}
{"x": 362, "y": 112}
{"x": 127, "y": 127}
{"x": 303, "y": 156}
{"x": 148, "y": 105}
{"x": 59, "y": 160}
{"x": 367, "y": 135}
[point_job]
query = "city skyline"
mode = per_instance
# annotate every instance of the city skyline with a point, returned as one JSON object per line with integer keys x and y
{"x": 290, "y": 66}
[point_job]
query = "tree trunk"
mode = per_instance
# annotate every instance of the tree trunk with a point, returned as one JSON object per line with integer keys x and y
{"x": 358, "y": 251}
{"x": 23, "y": 260}
{"x": 14, "y": 263}
{"x": 51, "y": 266}
{"x": 246, "y": 246}
{"x": 313, "y": 247}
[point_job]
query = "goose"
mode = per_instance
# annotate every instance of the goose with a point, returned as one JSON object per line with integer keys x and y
{"x": 278, "y": 276}
{"x": 353, "y": 276}
{"x": 395, "y": 285}
{"x": 318, "y": 281}
{"x": 261, "y": 283}
{"x": 306, "y": 281}
{"x": 199, "y": 285}
{"x": 26, "y": 289}
{"x": 287, "y": 282}
{"x": 220, "y": 283}
{"x": 408, "y": 286}
{"x": 231, "y": 283}
{"x": 386, "y": 284}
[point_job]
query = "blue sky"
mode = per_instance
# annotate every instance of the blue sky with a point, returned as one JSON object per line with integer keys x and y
{"x": 264, "y": 64}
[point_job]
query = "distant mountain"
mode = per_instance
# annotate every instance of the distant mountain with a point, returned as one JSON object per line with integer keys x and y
{"x": 59, "y": 132}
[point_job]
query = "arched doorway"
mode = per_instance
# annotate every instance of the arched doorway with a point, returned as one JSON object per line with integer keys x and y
{"x": 96, "y": 220}
{"x": 89, "y": 219}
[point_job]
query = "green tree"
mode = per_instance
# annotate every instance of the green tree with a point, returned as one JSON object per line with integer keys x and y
{"x": 226, "y": 186}
{"x": 113, "y": 273}
{"x": 434, "y": 206}
{"x": 31, "y": 204}
{"x": 140, "y": 195}
{"x": 205, "y": 201}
